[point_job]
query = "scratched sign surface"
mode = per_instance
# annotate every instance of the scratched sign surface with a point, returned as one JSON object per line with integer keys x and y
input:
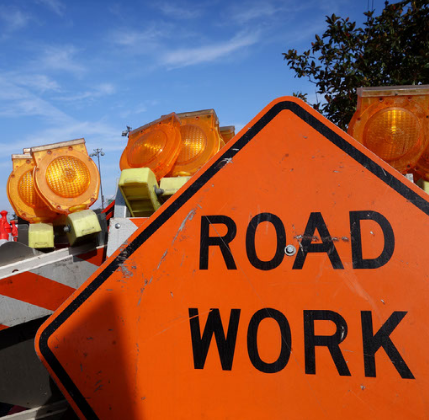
{"x": 289, "y": 280}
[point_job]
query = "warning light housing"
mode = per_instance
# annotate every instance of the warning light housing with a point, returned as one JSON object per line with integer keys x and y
{"x": 393, "y": 123}
{"x": 201, "y": 140}
{"x": 175, "y": 145}
{"x": 227, "y": 133}
{"x": 22, "y": 193}
{"x": 66, "y": 178}
{"x": 155, "y": 146}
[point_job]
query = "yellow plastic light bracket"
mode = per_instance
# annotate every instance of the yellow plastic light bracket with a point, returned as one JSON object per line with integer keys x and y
{"x": 22, "y": 194}
{"x": 423, "y": 184}
{"x": 155, "y": 146}
{"x": 393, "y": 123}
{"x": 201, "y": 140}
{"x": 41, "y": 235}
{"x": 170, "y": 185}
{"x": 82, "y": 226}
{"x": 66, "y": 177}
{"x": 138, "y": 189}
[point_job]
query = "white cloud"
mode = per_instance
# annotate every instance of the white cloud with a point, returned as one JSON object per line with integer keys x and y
{"x": 315, "y": 26}
{"x": 139, "y": 109}
{"x": 146, "y": 38}
{"x": 13, "y": 18}
{"x": 99, "y": 91}
{"x": 96, "y": 133}
{"x": 16, "y": 102}
{"x": 331, "y": 6}
{"x": 38, "y": 82}
{"x": 19, "y": 102}
{"x": 244, "y": 13}
{"x": 60, "y": 58}
{"x": 128, "y": 110}
{"x": 106, "y": 89}
{"x": 117, "y": 10}
{"x": 183, "y": 11}
{"x": 56, "y": 6}
{"x": 208, "y": 53}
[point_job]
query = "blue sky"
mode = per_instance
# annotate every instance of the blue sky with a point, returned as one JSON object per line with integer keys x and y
{"x": 90, "y": 68}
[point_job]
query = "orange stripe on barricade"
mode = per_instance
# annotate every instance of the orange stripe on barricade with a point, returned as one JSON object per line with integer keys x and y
{"x": 37, "y": 290}
{"x": 109, "y": 210}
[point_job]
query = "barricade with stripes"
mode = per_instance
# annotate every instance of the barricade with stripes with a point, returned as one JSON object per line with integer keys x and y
{"x": 36, "y": 286}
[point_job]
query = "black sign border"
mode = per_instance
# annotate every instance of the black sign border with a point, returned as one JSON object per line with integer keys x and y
{"x": 285, "y": 105}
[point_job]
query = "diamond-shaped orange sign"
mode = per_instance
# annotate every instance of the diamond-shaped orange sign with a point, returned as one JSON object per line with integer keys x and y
{"x": 288, "y": 280}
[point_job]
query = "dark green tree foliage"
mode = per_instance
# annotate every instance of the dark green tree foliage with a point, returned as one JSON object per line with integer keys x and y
{"x": 390, "y": 49}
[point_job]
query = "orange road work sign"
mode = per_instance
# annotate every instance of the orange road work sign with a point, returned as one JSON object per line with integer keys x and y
{"x": 289, "y": 279}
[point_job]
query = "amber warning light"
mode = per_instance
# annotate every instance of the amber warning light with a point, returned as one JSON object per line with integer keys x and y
{"x": 176, "y": 144}
{"x": 393, "y": 122}
{"x": 155, "y": 146}
{"x": 201, "y": 140}
{"x": 22, "y": 194}
{"x": 65, "y": 176}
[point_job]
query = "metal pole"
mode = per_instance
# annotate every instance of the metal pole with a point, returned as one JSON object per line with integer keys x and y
{"x": 97, "y": 153}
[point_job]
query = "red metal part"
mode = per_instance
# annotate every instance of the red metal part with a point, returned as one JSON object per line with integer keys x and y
{"x": 5, "y": 228}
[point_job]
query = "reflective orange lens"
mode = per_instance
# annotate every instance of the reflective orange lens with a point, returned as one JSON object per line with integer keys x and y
{"x": 146, "y": 148}
{"x": 200, "y": 141}
{"x": 27, "y": 191}
{"x": 391, "y": 133}
{"x": 155, "y": 146}
{"x": 22, "y": 192}
{"x": 194, "y": 141}
{"x": 67, "y": 176}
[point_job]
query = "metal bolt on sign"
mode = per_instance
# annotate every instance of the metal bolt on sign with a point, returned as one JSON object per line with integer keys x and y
{"x": 290, "y": 250}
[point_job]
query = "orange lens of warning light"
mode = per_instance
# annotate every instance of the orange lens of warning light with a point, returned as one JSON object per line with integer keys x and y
{"x": 66, "y": 178}
{"x": 22, "y": 192}
{"x": 27, "y": 190}
{"x": 146, "y": 148}
{"x": 194, "y": 142}
{"x": 155, "y": 146}
{"x": 391, "y": 133}
{"x": 200, "y": 141}
{"x": 392, "y": 123}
